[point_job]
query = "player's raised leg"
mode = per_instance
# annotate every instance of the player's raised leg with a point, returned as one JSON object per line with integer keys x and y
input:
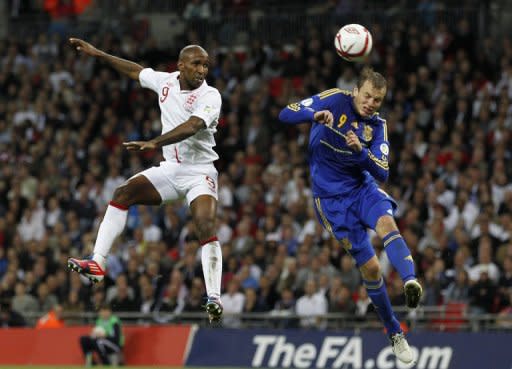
{"x": 204, "y": 209}
{"x": 400, "y": 257}
{"x": 137, "y": 190}
{"x": 374, "y": 283}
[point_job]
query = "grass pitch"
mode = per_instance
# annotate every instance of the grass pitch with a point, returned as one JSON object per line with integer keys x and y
{"x": 95, "y": 367}
{"x": 98, "y": 367}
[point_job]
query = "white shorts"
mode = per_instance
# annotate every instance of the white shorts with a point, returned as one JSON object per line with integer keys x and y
{"x": 177, "y": 180}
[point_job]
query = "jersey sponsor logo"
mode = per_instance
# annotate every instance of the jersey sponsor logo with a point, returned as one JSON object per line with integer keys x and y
{"x": 367, "y": 133}
{"x": 307, "y": 102}
{"x": 384, "y": 148}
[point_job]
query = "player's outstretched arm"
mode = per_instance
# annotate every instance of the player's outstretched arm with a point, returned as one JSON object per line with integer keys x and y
{"x": 181, "y": 132}
{"x": 123, "y": 66}
{"x": 297, "y": 113}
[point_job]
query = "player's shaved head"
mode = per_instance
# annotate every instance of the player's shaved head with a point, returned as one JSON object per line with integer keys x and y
{"x": 193, "y": 64}
{"x": 189, "y": 50}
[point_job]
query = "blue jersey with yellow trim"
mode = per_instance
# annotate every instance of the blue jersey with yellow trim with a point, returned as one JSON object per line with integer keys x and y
{"x": 336, "y": 169}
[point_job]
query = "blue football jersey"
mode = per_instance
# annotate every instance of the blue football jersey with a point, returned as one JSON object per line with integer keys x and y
{"x": 336, "y": 169}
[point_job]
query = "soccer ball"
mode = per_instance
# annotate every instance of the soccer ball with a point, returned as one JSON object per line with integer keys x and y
{"x": 353, "y": 42}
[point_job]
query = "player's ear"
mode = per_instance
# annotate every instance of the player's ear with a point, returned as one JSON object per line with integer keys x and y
{"x": 355, "y": 91}
{"x": 180, "y": 65}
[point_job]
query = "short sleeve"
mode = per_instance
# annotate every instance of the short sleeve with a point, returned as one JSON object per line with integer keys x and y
{"x": 150, "y": 79}
{"x": 208, "y": 107}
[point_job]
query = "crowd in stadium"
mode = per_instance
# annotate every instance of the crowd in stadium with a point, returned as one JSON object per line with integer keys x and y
{"x": 63, "y": 117}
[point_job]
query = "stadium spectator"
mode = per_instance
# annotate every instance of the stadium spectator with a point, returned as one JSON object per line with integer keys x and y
{"x": 284, "y": 309}
{"x": 234, "y": 302}
{"x": 485, "y": 264}
{"x": 45, "y": 299}
{"x": 363, "y": 304}
{"x": 194, "y": 298}
{"x": 105, "y": 339}
{"x": 73, "y": 305}
{"x": 52, "y": 319}
{"x": 23, "y": 302}
{"x": 9, "y": 317}
{"x": 340, "y": 300}
{"x": 482, "y": 295}
{"x": 458, "y": 290}
{"x": 197, "y": 10}
{"x": 349, "y": 275}
{"x": 311, "y": 306}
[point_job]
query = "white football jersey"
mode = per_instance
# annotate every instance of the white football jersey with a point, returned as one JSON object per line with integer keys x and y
{"x": 177, "y": 106}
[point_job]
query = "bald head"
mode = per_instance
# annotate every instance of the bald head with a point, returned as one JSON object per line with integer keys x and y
{"x": 193, "y": 64}
{"x": 189, "y": 50}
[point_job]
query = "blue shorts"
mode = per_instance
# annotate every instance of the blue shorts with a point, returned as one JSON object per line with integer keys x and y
{"x": 348, "y": 219}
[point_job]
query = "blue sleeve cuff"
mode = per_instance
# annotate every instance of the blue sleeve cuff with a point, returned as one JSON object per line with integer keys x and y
{"x": 310, "y": 113}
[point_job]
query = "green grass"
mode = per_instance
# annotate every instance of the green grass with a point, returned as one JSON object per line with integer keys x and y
{"x": 95, "y": 367}
{"x": 98, "y": 367}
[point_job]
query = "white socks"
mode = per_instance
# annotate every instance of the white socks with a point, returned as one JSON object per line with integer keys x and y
{"x": 211, "y": 260}
{"x": 111, "y": 227}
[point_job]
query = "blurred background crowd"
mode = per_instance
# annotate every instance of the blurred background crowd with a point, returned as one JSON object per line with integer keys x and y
{"x": 63, "y": 117}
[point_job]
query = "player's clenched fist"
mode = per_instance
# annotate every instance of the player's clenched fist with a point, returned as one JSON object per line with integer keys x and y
{"x": 84, "y": 46}
{"x": 324, "y": 117}
{"x": 140, "y": 145}
{"x": 353, "y": 141}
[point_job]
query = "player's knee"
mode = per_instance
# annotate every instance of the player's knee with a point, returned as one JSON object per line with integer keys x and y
{"x": 371, "y": 271}
{"x": 122, "y": 195}
{"x": 205, "y": 226}
{"x": 385, "y": 225}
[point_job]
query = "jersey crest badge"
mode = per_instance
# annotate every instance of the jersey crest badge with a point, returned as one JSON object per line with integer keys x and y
{"x": 190, "y": 102}
{"x": 367, "y": 133}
